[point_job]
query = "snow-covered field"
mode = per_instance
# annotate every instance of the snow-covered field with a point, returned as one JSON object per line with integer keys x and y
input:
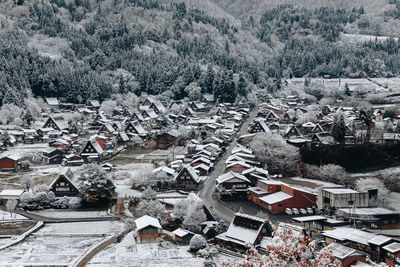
{"x": 7, "y": 216}
{"x": 128, "y": 253}
{"x": 59, "y": 244}
{"x": 84, "y": 228}
{"x": 71, "y": 214}
{"x": 26, "y": 150}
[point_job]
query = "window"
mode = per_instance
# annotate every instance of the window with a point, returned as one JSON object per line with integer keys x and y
{"x": 280, "y": 205}
{"x": 350, "y": 202}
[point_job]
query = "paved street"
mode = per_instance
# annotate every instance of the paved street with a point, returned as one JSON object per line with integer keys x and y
{"x": 219, "y": 210}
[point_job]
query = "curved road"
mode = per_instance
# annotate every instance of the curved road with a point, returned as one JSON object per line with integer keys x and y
{"x": 219, "y": 210}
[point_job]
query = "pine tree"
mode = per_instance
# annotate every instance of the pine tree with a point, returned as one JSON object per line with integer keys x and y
{"x": 339, "y": 129}
{"x": 347, "y": 90}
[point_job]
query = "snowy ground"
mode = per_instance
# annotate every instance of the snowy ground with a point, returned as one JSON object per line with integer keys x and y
{"x": 84, "y": 228}
{"x": 71, "y": 214}
{"x": 128, "y": 253}
{"x": 26, "y": 150}
{"x": 7, "y": 216}
{"x": 58, "y": 244}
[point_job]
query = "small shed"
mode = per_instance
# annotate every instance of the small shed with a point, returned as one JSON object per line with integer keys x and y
{"x": 147, "y": 227}
{"x": 183, "y": 236}
{"x": 10, "y": 194}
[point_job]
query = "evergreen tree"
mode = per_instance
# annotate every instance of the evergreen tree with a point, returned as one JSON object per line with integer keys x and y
{"x": 338, "y": 130}
{"x": 347, "y": 90}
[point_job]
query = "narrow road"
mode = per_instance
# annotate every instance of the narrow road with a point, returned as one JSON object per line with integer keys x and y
{"x": 219, "y": 210}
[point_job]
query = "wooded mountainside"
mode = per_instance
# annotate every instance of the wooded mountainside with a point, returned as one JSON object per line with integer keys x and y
{"x": 90, "y": 49}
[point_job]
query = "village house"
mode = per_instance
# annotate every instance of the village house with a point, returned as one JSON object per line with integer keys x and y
{"x": 187, "y": 178}
{"x": 56, "y": 124}
{"x": 53, "y": 156}
{"x": 244, "y": 231}
{"x": 183, "y": 236}
{"x": 10, "y": 194}
{"x": 91, "y": 151}
{"x": 10, "y": 163}
{"x": 347, "y": 256}
{"x": 147, "y": 227}
{"x": 232, "y": 182}
{"x": 392, "y": 256}
{"x": 63, "y": 185}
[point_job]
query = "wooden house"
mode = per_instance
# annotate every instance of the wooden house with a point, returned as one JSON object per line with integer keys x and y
{"x": 134, "y": 127}
{"x": 107, "y": 130}
{"x": 147, "y": 227}
{"x": 53, "y": 156}
{"x": 165, "y": 140}
{"x": 93, "y": 105}
{"x": 10, "y": 163}
{"x": 187, "y": 178}
{"x": 291, "y": 131}
{"x": 158, "y": 107}
{"x": 91, "y": 151}
{"x": 244, "y": 231}
{"x": 63, "y": 185}
{"x": 73, "y": 160}
{"x": 392, "y": 254}
{"x": 232, "y": 181}
{"x": 182, "y": 236}
{"x": 56, "y": 124}
{"x": 259, "y": 125}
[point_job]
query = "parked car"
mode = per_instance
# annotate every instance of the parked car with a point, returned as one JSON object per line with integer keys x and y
{"x": 295, "y": 211}
{"x": 303, "y": 211}
{"x": 310, "y": 211}
{"x": 288, "y": 211}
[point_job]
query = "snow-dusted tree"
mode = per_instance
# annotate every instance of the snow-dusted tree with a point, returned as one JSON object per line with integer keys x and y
{"x": 373, "y": 183}
{"x": 190, "y": 212}
{"x": 95, "y": 183}
{"x": 273, "y": 150}
{"x": 9, "y": 113}
{"x": 108, "y": 106}
{"x": 195, "y": 215}
{"x": 150, "y": 205}
{"x": 334, "y": 173}
{"x": 34, "y": 201}
{"x": 129, "y": 101}
{"x": 5, "y": 138}
{"x": 35, "y": 106}
{"x": 287, "y": 247}
{"x": 197, "y": 242}
{"x": 11, "y": 205}
{"x": 329, "y": 173}
{"x": 193, "y": 91}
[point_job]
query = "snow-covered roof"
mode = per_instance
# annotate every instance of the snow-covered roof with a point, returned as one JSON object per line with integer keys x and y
{"x": 341, "y": 252}
{"x": 145, "y": 221}
{"x": 11, "y": 193}
{"x": 244, "y": 229}
{"x": 379, "y": 240}
{"x": 181, "y": 232}
{"x": 368, "y": 211}
{"x": 255, "y": 169}
{"x": 275, "y": 197}
{"x": 393, "y": 247}
{"x": 310, "y": 218}
{"x": 344, "y": 233}
{"x": 337, "y": 191}
{"x": 164, "y": 169}
{"x": 231, "y": 175}
{"x": 52, "y": 101}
